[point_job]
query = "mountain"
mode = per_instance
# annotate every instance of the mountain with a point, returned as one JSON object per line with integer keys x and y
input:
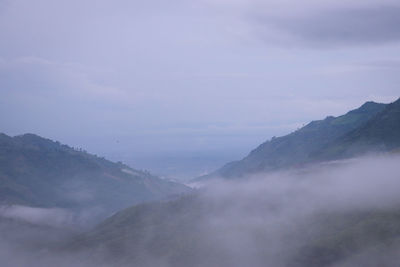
{"x": 380, "y": 133}
{"x": 298, "y": 147}
{"x": 39, "y": 172}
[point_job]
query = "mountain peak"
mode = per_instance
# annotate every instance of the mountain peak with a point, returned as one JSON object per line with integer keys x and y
{"x": 380, "y": 133}
{"x": 369, "y": 105}
{"x": 299, "y": 147}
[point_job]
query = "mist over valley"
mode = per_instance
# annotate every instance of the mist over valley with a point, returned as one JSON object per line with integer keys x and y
{"x": 73, "y": 208}
{"x": 203, "y": 133}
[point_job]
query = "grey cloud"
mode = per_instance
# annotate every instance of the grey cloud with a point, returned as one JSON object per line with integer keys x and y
{"x": 3, "y": 5}
{"x": 129, "y": 67}
{"x": 392, "y": 64}
{"x": 342, "y": 27}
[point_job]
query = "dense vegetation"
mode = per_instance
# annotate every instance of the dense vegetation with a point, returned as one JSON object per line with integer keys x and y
{"x": 379, "y": 134}
{"x": 372, "y": 127}
{"x": 39, "y": 172}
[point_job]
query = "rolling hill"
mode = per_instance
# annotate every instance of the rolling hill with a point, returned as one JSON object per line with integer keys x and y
{"x": 39, "y": 172}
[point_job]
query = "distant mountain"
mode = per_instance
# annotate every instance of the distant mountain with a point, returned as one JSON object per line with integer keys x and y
{"x": 299, "y": 147}
{"x": 39, "y": 172}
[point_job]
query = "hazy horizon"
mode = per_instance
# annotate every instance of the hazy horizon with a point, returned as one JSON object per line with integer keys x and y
{"x": 181, "y": 88}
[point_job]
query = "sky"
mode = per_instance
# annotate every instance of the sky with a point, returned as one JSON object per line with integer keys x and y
{"x": 182, "y": 87}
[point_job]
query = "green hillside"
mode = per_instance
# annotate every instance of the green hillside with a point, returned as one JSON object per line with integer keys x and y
{"x": 298, "y": 147}
{"x": 381, "y": 133}
{"x": 39, "y": 172}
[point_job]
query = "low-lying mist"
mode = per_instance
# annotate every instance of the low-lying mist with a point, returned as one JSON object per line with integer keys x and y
{"x": 334, "y": 214}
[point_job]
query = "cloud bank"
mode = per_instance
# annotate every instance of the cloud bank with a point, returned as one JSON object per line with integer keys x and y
{"x": 291, "y": 218}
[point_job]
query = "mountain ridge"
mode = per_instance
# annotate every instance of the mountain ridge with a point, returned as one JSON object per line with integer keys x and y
{"x": 39, "y": 172}
{"x": 299, "y": 147}
{"x": 379, "y": 134}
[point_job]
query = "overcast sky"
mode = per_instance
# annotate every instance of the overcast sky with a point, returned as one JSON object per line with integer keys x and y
{"x": 201, "y": 81}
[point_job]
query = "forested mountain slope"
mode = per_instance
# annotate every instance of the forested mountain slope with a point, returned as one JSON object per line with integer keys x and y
{"x": 298, "y": 147}
{"x": 35, "y": 171}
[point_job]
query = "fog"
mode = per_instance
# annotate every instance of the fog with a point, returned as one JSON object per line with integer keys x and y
{"x": 343, "y": 213}
{"x": 50, "y": 217}
{"x": 73, "y": 219}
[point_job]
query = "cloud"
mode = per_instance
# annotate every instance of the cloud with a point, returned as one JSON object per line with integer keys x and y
{"x": 41, "y": 216}
{"x": 321, "y": 24}
{"x": 57, "y": 218}
{"x": 342, "y": 27}
{"x": 112, "y": 68}
{"x": 264, "y": 220}
{"x": 40, "y": 74}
